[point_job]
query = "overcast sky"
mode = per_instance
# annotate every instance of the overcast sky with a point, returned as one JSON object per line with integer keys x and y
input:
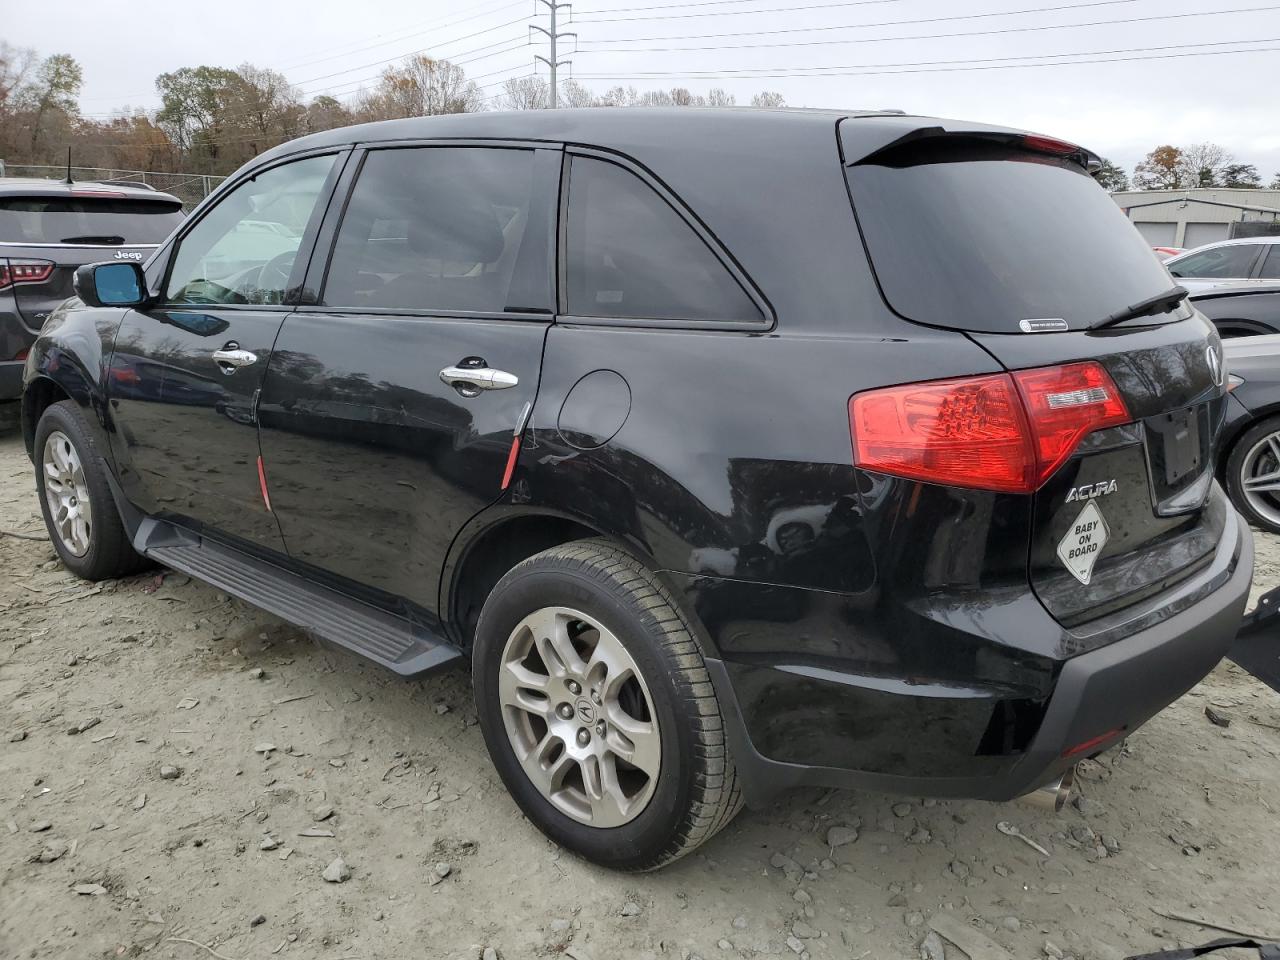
{"x": 1120, "y": 109}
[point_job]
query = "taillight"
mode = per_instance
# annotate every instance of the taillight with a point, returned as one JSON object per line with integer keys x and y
{"x": 1004, "y": 432}
{"x": 21, "y": 354}
{"x": 14, "y": 272}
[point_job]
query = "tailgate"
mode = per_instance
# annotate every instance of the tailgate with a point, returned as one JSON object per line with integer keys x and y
{"x": 1135, "y": 509}
{"x": 36, "y": 300}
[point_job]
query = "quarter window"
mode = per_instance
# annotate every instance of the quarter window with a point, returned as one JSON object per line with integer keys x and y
{"x": 629, "y": 254}
{"x": 434, "y": 228}
{"x": 243, "y": 250}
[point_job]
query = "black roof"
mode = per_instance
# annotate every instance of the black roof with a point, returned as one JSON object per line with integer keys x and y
{"x": 32, "y": 187}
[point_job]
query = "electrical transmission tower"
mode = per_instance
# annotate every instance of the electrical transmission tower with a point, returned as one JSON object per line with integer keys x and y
{"x": 553, "y": 35}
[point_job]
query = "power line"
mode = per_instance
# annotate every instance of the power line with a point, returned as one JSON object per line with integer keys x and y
{"x": 943, "y": 69}
{"x": 846, "y": 3}
{"x": 720, "y": 3}
{"x": 917, "y": 36}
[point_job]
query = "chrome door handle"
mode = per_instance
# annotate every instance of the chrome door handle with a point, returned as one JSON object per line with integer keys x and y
{"x": 469, "y": 381}
{"x": 231, "y": 359}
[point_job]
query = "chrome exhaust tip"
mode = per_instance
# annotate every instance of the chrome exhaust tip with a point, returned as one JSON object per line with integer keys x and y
{"x": 1052, "y": 796}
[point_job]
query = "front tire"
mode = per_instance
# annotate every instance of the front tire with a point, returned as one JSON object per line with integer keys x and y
{"x": 598, "y": 711}
{"x": 79, "y": 512}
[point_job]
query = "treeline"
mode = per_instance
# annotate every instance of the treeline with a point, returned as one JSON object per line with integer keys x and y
{"x": 1181, "y": 168}
{"x": 213, "y": 119}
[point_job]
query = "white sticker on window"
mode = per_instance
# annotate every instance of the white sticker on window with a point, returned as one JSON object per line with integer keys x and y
{"x": 1079, "y": 549}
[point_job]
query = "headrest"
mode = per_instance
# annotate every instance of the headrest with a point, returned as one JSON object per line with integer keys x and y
{"x": 456, "y": 228}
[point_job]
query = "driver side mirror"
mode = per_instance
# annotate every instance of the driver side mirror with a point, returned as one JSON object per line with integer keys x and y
{"x": 111, "y": 284}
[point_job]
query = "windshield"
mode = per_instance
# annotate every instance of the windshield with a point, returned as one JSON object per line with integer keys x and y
{"x": 108, "y": 220}
{"x": 976, "y": 235}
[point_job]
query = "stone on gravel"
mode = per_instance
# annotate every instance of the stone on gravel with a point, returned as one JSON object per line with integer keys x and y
{"x": 490, "y": 954}
{"x": 919, "y": 835}
{"x": 1051, "y": 949}
{"x": 1012, "y": 924}
{"x": 169, "y": 772}
{"x": 914, "y": 919}
{"x": 630, "y": 909}
{"x": 17, "y": 736}
{"x": 959, "y": 870}
{"x": 40, "y": 826}
{"x": 268, "y": 843}
{"x": 1217, "y": 717}
{"x": 337, "y": 871}
{"x": 788, "y": 866}
{"x": 740, "y": 923}
{"x": 1088, "y": 807}
{"x": 263, "y": 748}
{"x": 797, "y": 946}
{"x": 897, "y": 900}
{"x": 139, "y": 801}
{"x": 839, "y": 836}
{"x": 322, "y": 812}
{"x": 931, "y": 947}
{"x": 804, "y": 931}
{"x": 257, "y": 673}
{"x": 53, "y": 850}
{"x": 259, "y": 919}
{"x": 83, "y": 725}
{"x": 89, "y": 889}
{"x": 901, "y": 809}
{"x": 439, "y": 872}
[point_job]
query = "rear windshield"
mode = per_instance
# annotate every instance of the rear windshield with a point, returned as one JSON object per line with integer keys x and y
{"x": 973, "y": 235}
{"x": 108, "y": 220}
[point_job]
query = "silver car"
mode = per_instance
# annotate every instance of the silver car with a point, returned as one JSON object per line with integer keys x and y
{"x": 1228, "y": 261}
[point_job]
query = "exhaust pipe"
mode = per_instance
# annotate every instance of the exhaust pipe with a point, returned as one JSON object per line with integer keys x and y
{"x": 1052, "y": 796}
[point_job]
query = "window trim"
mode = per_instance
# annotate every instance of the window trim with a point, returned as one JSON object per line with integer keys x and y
{"x": 322, "y": 260}
{"x": 768, "y": 319}
{"x": 306, "y": 246}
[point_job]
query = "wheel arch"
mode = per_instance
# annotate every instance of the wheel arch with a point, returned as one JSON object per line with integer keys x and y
{"x": 497, "y": 540}
{"x": 40, "y": 394}
{"x": 1230, "y": 441}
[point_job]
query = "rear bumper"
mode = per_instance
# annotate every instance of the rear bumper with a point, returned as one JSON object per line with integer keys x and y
{"x": 1117, "y": 687}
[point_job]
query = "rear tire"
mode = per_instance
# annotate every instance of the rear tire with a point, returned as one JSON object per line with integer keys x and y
{"x": 79, "y": 511}
{"x": 590, "y": 618}
{"x": 1254, "y": 457}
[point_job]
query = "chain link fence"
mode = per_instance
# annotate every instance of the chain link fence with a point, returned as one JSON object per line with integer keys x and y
{"x": 190, "y": 188}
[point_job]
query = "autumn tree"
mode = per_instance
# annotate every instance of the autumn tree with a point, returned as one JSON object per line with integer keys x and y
{"x": 420, "y": 86}
{"x": 1112, "y": 176}
{"x": 1161, "y": 169}
{"x": 193, "y": 109}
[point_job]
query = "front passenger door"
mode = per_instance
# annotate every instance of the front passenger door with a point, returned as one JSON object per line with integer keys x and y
{"x": 185, "y": 373}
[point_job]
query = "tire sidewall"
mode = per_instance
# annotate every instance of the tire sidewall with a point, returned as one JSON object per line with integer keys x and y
{"x": 60, "y": 417}
{"x": 551, "y": 582}
{"x": 1235, "y": 464}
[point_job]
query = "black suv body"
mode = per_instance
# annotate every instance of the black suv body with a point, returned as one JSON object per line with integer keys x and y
{"x": 802, "y": 407}
{"x": 47, "y": 230}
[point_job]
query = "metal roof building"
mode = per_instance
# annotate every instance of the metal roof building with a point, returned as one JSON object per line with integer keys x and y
{"x": 1189, "y": 218}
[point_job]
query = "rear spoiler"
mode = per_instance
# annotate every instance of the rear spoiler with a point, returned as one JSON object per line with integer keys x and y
{"x": 862, "y": 142}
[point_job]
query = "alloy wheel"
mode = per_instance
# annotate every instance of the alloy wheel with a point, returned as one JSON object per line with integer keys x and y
{"x": 1260, "y": 477}
{"x": 579, "y": 717}
{"x": 67, "y": 493}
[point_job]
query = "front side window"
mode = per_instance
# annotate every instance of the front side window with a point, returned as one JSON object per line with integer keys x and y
{"x": 243, "y": 251}
{"x": 1271, "y": 265}
{"x": 1232, "y": 262}
{"x": 435, "y": 228}
{"x": 629, "y": 254}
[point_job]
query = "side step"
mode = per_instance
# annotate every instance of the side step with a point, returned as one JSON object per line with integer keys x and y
{"x": 394, "y": 642}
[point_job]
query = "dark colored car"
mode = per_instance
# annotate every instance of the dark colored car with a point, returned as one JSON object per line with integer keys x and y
{"x": 735, "y": 450}
{"x": 47, "y": 230}
{"x": 1241, "y": 310}
{"x": 1249, "y": 459}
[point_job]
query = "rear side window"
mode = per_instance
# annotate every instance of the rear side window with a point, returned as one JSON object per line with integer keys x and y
{"x": 629, "y": 254}
{"x": 434, "y": 228}
{"x": 1271, "y": 265}
{"x": 1233, "y": 262}
{"x": 107, "y": 220}
{"x": 976, "y": 235}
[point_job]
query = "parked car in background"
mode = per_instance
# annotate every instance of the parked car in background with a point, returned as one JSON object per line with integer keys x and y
{"x": 1228, "y": 261}
{"x": 47, "y": 229}
{"x": 1246, "y": 309}
{"x": 717, "y": 486}
{"x": 1164, "y": 253}
{"x": 1249, "y": 459}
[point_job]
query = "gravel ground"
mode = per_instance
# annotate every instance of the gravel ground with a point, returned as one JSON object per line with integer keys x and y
{"x": 180, "y": 775}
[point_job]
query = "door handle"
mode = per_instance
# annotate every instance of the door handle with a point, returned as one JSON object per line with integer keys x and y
{"x": 469, "y": 381}
{"x": 231, "y": 358}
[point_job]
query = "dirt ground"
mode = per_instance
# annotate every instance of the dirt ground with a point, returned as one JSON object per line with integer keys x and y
{"x": 176, "y": 822}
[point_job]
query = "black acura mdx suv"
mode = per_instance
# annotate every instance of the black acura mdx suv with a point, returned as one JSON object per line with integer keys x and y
{"x": 736, "y": 450}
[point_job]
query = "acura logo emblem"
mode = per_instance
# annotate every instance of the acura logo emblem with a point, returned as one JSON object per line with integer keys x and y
{"x": 1215, "y": 364}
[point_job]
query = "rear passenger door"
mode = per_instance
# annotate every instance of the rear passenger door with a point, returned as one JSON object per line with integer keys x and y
{"x": 391, "y": 402}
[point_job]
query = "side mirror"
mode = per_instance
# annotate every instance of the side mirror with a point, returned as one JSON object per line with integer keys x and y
{"x": 111, "y": 284}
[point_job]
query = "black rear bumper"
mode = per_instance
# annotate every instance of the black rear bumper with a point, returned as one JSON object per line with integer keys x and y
{"x": 1115, "y": 688}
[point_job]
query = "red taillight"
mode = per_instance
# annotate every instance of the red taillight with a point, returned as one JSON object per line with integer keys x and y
{"x": 1060, "y": 148}
{"x": 1004, "y": 432}
{"x": 21, "y": 354}
{"x": 13, "y": 272}
{"x": 1092, "y": 743}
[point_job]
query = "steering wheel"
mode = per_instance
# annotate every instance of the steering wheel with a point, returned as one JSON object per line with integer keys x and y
{"x": 278, "y": 267}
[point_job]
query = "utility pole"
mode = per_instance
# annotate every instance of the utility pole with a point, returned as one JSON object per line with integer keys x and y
{"x": 553, "y": 35}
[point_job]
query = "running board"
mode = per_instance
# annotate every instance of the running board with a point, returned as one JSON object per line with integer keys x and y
{"x": 406, "y": 648}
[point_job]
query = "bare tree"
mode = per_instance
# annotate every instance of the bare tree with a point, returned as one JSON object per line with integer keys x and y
{"x": 768, "y": 98}
{"x": 524, "y": 93}
{"x": 1203, "y": 164}
{"x": 574, "y": 94}
{"x": 420, "y": 87}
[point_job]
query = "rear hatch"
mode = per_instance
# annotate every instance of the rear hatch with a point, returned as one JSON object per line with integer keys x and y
{"x": 1007, "y": 237}
{"x": 44, "y": 238}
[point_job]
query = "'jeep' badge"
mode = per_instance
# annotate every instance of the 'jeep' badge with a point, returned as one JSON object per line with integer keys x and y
{"x": 1079, "y": 549}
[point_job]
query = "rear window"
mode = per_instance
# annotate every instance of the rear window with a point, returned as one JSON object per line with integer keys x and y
{"x": 107, "y": 220}
{"x": 974, "y": 235}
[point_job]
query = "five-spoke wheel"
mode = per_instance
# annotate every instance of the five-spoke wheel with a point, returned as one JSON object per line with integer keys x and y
{"x": 1253, "y": 474}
